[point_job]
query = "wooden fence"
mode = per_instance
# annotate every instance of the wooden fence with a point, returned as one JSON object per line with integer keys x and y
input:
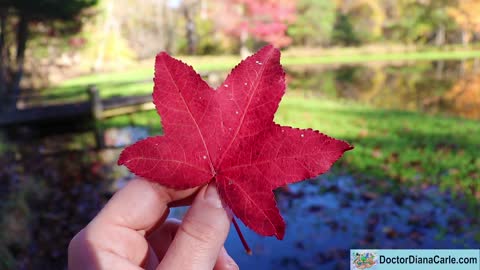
{"x": 94, "y": 108}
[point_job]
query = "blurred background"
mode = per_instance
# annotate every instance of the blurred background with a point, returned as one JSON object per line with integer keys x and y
{"x": 399, "y": 79}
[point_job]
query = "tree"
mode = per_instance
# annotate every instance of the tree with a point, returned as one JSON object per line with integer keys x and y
{"x": 314, "y": 23}
{"x": 150, "y": 27}
{"x": 414, "y": 21}
{"x": 366, "y": 17}
{"x": 19, "y": 16}
{"x": 343, "y": 33}
{"x": 466, "y": 16}
{"x": 264, "y": 20}
{"x": 188, "y": 9}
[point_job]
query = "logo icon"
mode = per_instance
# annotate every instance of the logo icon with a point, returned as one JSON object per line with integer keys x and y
{"x": 364, "y": 259}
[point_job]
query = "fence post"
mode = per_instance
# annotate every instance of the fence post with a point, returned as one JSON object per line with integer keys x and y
{"x": 96, "y": 112}
{"x": 95, "y": 102}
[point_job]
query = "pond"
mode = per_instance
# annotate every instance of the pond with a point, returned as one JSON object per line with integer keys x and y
{"x": 54, "y": 183}
{"x": 445, "y": 87}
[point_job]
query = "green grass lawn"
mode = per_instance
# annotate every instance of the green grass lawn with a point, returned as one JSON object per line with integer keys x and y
{"x": 406, "y": 146}
{"x": 391, "y": 147}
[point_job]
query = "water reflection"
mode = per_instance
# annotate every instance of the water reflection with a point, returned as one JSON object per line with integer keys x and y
{"x": 448, "y": 88}
{"x": 462, "y": 99}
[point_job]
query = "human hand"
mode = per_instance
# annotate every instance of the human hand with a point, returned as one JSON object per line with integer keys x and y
{"x": 131, "y": 233}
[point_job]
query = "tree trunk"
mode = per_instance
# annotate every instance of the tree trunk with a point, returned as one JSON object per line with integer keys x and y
{"x": 463, "y": 67}
{"x": 465, "y": 37}
{"x": 440, "y": 36}
{"x": 168, "y": 28}
{"x": 22, "y": 37}
{"x": 440, "y": 66}
{"x": 244, "y": 51}
{"x": 160, "y": 24}
{"x": 107, "y": 25}
{"x": 3, "y": 74}
{"x": 190, "y": 29}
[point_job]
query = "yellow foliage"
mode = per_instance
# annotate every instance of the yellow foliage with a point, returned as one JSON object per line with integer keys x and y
{"x": 107, "y": 46}
{"x": 464, "y": 97}
{"x": 377, "y": 13}
{"x": 466, "y": 14}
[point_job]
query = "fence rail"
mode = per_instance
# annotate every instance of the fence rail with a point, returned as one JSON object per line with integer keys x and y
{"x": 94, "y": 108}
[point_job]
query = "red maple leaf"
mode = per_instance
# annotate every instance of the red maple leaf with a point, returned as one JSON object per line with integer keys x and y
{"x": 227, "y": 136}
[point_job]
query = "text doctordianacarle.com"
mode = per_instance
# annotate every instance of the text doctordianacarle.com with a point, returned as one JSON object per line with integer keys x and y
{"x": 413, "y": 259}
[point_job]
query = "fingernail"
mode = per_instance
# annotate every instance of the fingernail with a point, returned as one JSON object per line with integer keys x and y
{"x": 211, "y": 196}
{"x": 231, "y": 264}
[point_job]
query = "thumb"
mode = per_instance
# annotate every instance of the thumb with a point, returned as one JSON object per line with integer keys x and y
{"x": 201, "y": 235}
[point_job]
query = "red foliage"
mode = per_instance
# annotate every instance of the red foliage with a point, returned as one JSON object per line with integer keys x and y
{"x": 266, "y": 20}
{"x": 227, "y": 136}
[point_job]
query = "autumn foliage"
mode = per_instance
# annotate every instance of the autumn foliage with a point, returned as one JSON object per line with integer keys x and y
{"x": 466, "y": 14}
{"x": 264, "y": 20}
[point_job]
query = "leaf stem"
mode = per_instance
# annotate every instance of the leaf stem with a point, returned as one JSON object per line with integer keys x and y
{"x": 244, "y": 242}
